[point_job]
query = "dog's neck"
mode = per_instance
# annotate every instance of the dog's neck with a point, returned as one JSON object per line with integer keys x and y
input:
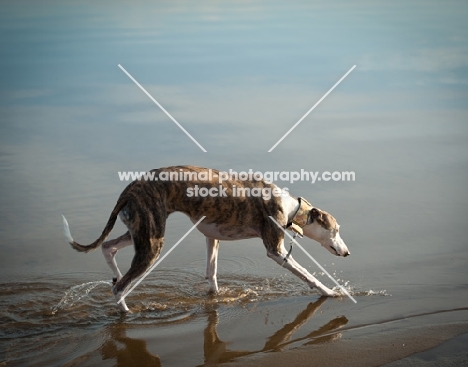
{"x": 298, "y": 213}
{"x": 290, "y": 206}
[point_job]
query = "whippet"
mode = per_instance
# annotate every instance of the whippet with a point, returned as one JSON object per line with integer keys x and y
{"x": 145, "y": 205}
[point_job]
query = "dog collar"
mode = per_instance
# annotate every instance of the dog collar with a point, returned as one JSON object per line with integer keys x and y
{"x": 301, "y": 217}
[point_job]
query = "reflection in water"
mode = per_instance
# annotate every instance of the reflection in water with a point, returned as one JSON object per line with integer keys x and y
{"x": 216, "y": 351}
{"x": 133, "y": 352}
{"x": 282, "y": 337}
{"x": 127, "y": 351}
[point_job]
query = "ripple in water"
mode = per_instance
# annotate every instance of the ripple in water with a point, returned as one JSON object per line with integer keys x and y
{"x": 173, "y": 295}
{"x": 39, "y": 307}
{"x": 165, "y": 296}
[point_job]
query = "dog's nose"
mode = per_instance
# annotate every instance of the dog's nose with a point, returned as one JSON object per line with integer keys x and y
{"x": 347, "y": 254}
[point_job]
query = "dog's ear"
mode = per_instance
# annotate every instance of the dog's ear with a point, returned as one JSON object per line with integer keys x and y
{"x": 315, "y": 215}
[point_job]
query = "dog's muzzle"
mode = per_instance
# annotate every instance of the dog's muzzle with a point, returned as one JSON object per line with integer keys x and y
{"x": 337, "y": 253}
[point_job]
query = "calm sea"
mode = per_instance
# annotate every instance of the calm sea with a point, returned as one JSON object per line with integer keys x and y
{"x": 237, "y": 76}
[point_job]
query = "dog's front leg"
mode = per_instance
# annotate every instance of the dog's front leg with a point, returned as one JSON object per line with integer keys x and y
{"x": 289, "y": 263}
{"x": 212, "y": 247}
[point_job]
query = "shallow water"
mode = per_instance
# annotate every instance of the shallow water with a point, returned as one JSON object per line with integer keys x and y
{"x": 174, "y": 321}
{"x": 237, "y": 76}
{"x": 45, "y": 315}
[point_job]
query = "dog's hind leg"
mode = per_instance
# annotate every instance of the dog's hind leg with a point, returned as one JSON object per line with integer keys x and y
{"x": 146, "y": 252}
{"x": 281, "y": 257}
{"x": 147, "y": 231}
{"x": 212, "y": 247}
{"x": 109, "y": 250}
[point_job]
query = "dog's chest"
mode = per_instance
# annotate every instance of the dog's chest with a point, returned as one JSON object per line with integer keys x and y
{"x": 226, "y": 232}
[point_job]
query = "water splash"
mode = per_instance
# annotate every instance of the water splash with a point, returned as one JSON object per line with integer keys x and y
{"x": 354, "y": 292}
{"x": 76, "y": 293}
{"x": 376, "y": 293}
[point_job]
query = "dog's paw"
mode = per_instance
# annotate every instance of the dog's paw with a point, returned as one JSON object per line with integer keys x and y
{"x": 123, "y": 308}
{"x": 329, "y": 293}
{"x": 213, "y": 292}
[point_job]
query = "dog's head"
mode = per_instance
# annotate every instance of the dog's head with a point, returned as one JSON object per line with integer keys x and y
{"x": 323, "y": 228}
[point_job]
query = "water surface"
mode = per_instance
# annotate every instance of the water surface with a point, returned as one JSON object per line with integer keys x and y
{"x": 237, "y": 76}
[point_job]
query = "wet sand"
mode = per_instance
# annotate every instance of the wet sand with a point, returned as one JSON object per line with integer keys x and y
{"x": 389, "y": 348}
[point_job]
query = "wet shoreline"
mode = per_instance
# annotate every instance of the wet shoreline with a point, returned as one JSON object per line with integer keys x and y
{"x": 51, "y": 322}
{"x": 384, "y": 348}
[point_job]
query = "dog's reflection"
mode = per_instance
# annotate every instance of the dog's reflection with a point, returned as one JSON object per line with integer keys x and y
{"x": 133, "y": 352}
{"x": 127, "y": 351}
{"x": 216, "y": 351}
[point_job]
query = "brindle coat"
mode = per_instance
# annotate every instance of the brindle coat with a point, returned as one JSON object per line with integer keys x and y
{"x": 145, "y": 205}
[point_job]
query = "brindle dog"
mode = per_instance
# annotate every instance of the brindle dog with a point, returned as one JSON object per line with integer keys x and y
{"x": 145, "y": 204}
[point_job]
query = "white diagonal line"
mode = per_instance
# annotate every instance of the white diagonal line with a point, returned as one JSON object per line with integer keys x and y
{"x": 159, "y": 261}
{"x": 162, "y": 108}
{"x": 315, "y": 105}
{"x": 315, "y": 261}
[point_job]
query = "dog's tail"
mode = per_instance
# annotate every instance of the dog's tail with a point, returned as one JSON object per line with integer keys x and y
{"x": 107, "y": 229}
